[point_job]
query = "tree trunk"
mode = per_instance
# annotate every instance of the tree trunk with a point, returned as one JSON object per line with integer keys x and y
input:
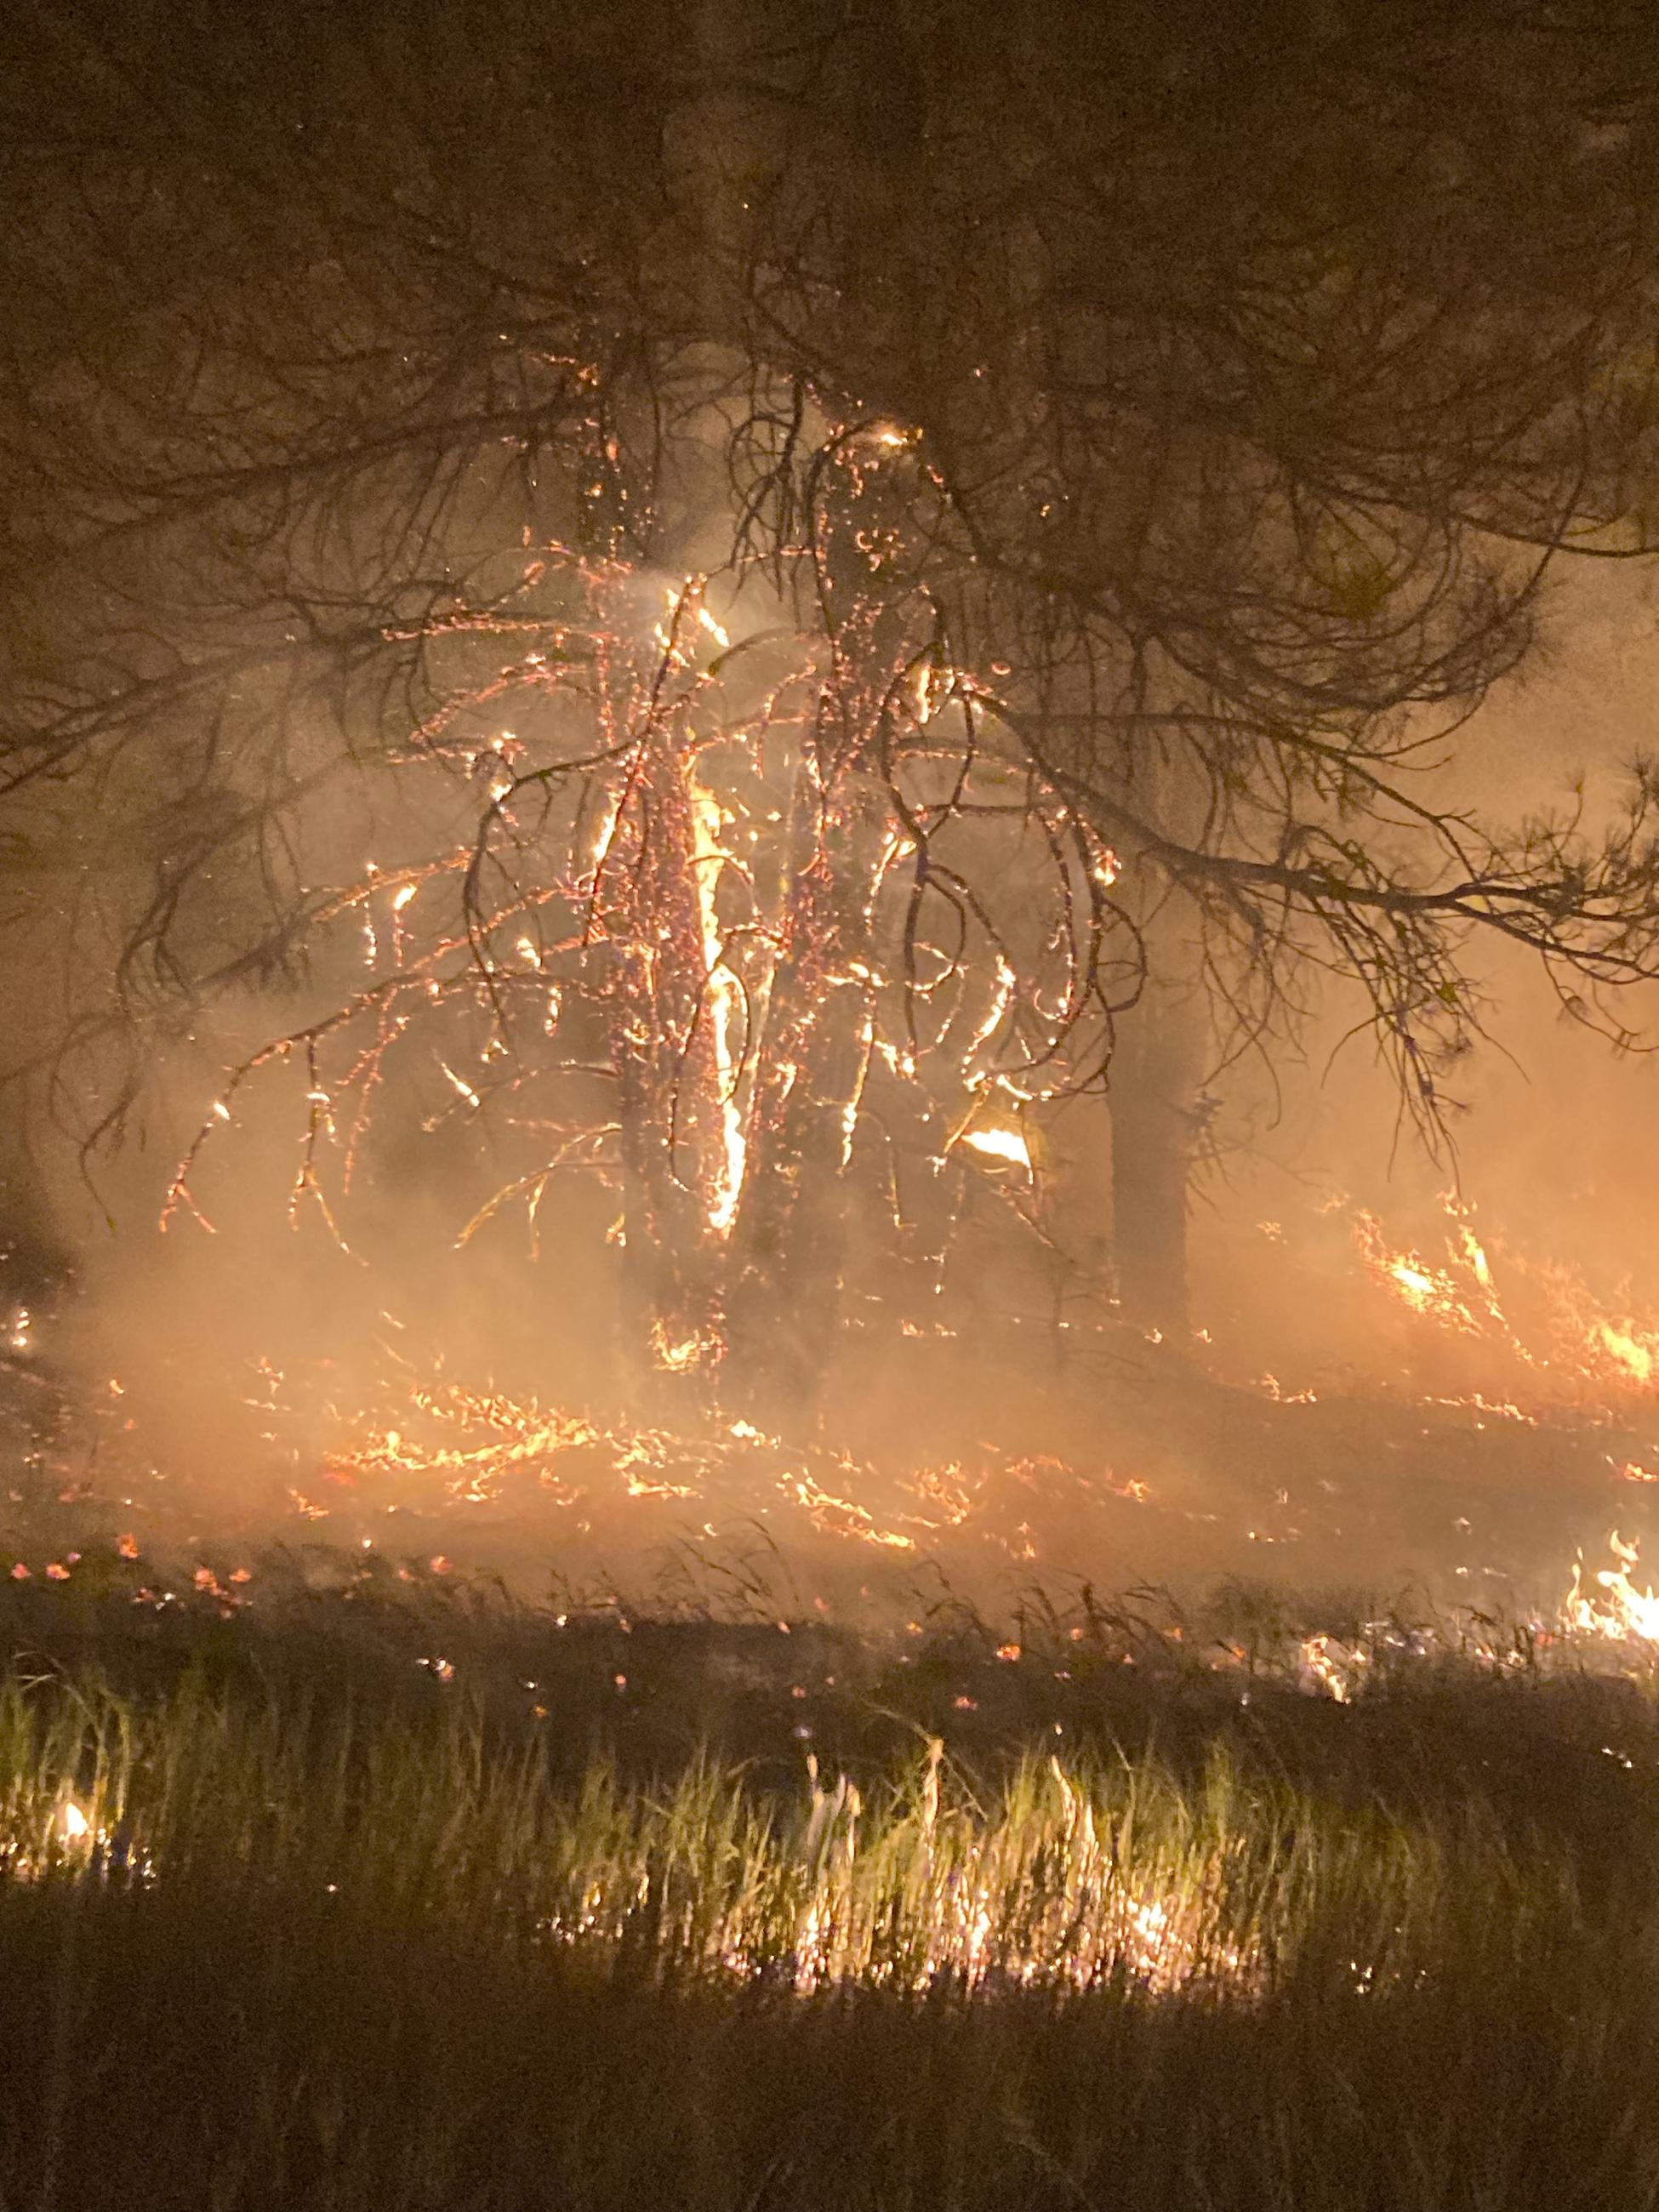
{"x": 1156, "y": 1073}
{"x": 668, "y": 1078}
{"x": 790, "y": 1239}
{"x": 1157, "y": 1067}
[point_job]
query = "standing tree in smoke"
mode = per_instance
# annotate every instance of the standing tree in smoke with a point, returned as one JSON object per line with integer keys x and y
{"x": 760, "y": 599}
{"x": 718, "y": 897}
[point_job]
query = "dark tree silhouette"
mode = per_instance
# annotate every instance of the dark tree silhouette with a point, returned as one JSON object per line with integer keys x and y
{"x": 763, "y": 591}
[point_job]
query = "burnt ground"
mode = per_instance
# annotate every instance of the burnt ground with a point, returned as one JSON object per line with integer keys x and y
{"x": 1138, "y": 1470}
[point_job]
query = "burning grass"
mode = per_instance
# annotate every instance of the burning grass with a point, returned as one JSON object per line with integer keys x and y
{"x": 361, "y": 1893}
{"x": 1045, "y": 1878}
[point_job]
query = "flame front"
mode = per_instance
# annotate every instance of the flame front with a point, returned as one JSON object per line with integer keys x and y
{"x": 1546, "y": 1323}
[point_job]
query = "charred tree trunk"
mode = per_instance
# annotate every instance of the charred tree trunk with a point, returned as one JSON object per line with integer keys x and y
{"x": 668, "y": 1083}
{"x": 1156, "y": 1070}
{"x": 790, "y": 1238}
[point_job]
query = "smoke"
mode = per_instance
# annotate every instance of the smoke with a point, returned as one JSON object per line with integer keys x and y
{"x": 1013, "y": 1424}
{"x": 1550, "y": 1124}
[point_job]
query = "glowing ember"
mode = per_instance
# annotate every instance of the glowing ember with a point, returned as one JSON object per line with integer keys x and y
{"x": 437, "y": 1446}
{"x": 843, "y": 1516}
{"x": 679, "y": 1358}
{"x": 1006, "y": 1144}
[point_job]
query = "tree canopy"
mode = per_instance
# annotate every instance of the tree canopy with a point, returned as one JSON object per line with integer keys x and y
{"x": 744, "y": 584}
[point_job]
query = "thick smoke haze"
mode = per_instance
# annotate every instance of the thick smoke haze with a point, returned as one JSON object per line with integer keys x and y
{"x": 246, "y": 1354}
{"x": 1064, "y": 603}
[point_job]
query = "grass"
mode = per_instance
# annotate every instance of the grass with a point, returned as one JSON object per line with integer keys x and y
{"x": 288, "y": 1917}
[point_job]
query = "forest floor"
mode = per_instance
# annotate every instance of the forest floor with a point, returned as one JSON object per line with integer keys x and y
{"x": 729, "y": 1858}
{"x": 1135, "y": 1470}
{"x": 343, "y": 1886}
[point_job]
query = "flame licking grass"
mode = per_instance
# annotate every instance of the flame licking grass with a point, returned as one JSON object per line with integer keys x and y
{"x": 1610, "y": 1608}
{"x": 1224, "y": 1884}
{"x": 1546, "y": 1322}
{"x": 1603, "y": 1609}
{"x": 1632, "y": 1354}
{"x": 1228, "y": 1884}
{"x": 1063, "y": 1876}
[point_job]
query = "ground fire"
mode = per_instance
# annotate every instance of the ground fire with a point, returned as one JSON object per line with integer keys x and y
{"x": 829, "y": 951}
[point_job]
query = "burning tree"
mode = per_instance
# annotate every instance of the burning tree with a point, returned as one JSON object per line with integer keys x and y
{"x": 765, "y": 596}
{"x": 728, "y": 900}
